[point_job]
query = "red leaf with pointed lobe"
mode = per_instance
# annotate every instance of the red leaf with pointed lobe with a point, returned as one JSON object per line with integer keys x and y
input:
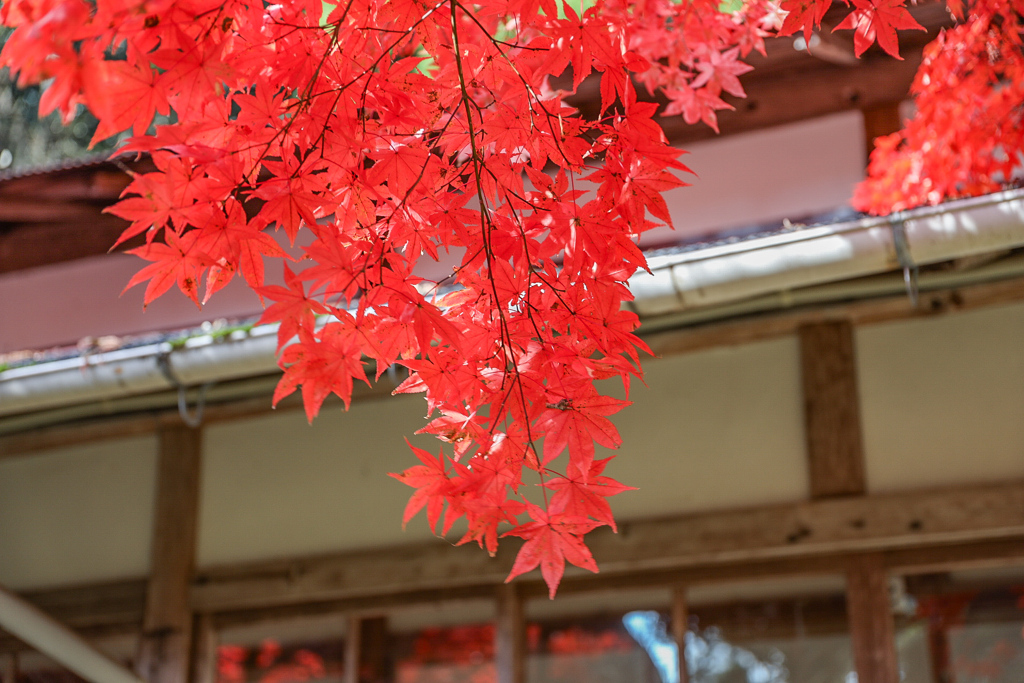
{"x": 551, "y": 541}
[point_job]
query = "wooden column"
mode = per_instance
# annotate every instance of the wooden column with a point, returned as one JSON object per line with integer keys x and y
{"x": 204, "y": 649}
{"x": 9, "y": 667}
{"x": 366, "y": 651}
{"x": 167, "y": 622}
{"x": 832, "y": 409}
{"x": 510, "y": 636}
{"x": 881, "y": 119}
{"x": 680, "y": 624}
{"x": 871, "y": 622}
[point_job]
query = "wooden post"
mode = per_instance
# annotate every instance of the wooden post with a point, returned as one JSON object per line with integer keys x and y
{"x": 510, "y": 636}
{"x": 204, "y": 650}
{"x": 352, "y": 649}
{"x": 680, "y": 625}
{"x": 366, "y": 651}
{"x": 831, "y": 409}
{"x": 167, "y": 621}
{"x": 938, "y": 652}
{"x": 871, "y": 622}
{"x": 9, "y": 667}
{"x": 881, "y": 119}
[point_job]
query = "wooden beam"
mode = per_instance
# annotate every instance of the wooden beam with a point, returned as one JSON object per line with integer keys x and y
{"x": 812, "y": 89}
{"x": 871, "y": 621}
{"x": 804, "y": 530}
{"x": 835, "y": 452}
{"x": 100, "y": 610}
{"x": 510, "y": 635}
{"x": 167, "y": 622}
{"x": 80, "y": 232}
{"x": 880, "y": 119}
{"x": 117, "y": 606}
{"x": 680, "y": 626}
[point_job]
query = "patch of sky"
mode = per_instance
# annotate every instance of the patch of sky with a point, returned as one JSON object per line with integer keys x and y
{"x": 709, "y": 657}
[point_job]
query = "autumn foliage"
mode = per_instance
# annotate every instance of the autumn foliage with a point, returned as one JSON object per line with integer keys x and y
{"x": 967, "y": 137}
{"x": 379, "y": 135}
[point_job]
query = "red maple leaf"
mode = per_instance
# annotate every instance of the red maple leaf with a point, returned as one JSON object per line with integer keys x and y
{"x": 431, "y": 483}
{"x": 324, "y": 362}
{"x": 294, "y": 310}
{"x": 551, "y": 541}
{"x": 584, "y": 497}
{"x": 878, "y": 20}
{"x": 176, "y": 262}
{"x": 577, "y": 422}
{"x": 803, "y": 14}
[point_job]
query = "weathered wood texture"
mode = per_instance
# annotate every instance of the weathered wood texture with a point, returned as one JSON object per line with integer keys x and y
{"x": 805, "y": 530}
{"x": 880, "y": 119}
{"x": 111, "y": 611}
{"x": 510, "y": 635}
{"x": 56, "y": 216}
{"x": 803, "y": 92}
{"x": 835, "y": 452}
{"x": 204, "y": 649}
{"x": 871, "y": 622}
{"x": 9, "y": 667}
{"x": 367, "y": 650}
{"x": 167, "y": 621}
{"x": 680, "y": 625}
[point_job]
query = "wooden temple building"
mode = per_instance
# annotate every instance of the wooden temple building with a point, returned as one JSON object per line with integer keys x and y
{"x": 829, "y": 451}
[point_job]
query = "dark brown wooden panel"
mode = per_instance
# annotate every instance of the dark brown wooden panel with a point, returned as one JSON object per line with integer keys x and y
{"x": 835, "y": 450}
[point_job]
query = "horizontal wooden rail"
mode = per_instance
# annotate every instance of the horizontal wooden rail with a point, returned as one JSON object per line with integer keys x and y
{"x": 914, "y": 532}
{"x": 803, "y": 531}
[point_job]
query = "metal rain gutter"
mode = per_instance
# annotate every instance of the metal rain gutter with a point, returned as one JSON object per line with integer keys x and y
{"x": 145, "y": 369}
{"x": 681, "y": 284}
{"x": 801, "y": 258}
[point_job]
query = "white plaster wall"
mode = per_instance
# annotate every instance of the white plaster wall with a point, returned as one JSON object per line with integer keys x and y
{"x": 275, "y": 486}
{"x": 943, "y": 399}
{"x": 78, "y": 514}
{"x": 716, "y": 429}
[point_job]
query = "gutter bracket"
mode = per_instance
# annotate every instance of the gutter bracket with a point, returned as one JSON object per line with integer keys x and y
{"x": 192, "y": 420}
{"x": 897, "y": 222}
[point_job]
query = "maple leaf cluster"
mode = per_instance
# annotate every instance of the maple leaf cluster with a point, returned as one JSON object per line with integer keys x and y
{"x": 392, "y": 133}
{"x": 966, "y": 137}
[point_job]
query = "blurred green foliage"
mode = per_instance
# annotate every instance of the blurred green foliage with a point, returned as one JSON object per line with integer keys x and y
{"x": 27, "y": 141}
